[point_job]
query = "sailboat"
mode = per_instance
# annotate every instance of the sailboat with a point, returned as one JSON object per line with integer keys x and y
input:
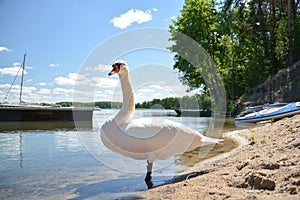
{"x": 35, "y": 116}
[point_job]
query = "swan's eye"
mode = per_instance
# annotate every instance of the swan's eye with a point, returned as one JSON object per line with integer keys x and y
{"x": 116, "y": 69}
{"x": 117, "y": 65}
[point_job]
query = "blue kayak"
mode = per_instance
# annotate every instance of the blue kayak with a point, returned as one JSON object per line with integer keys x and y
{"x": 259, "y": 107}
{"x": 271, "y": 112}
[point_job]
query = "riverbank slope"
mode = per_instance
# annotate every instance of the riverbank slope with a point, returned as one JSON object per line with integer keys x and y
{"x": 267, "y": 166}
{"x": 283, "y": 87}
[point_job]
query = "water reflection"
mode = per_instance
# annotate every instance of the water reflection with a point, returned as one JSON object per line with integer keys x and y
{"x": 35, "y": 125}
{"x": 67, "y": 142}
{"x": 11, "y": 148}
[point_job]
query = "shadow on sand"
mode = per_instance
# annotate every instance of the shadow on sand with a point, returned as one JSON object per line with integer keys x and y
{"x": 184, "y": 177}
{"x": 127, "y": 188}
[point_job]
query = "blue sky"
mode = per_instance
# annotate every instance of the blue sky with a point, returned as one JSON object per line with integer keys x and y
{"x": 59, "y": 35}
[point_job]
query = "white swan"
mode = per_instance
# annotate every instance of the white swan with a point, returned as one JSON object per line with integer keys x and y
{"x": 146, "y": 138}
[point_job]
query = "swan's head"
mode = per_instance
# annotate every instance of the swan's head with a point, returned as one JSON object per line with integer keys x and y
{"x": 119, "y": 67}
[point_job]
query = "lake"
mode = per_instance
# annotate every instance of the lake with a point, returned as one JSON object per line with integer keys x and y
{"x": 74, "y": 164}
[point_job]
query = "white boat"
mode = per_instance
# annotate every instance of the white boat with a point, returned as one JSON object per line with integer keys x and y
{"x": 14, "y": 116}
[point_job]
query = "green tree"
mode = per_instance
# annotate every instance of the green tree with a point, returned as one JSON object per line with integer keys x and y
{"x": 248, "y": 40}
{"x": 199, "y": 21}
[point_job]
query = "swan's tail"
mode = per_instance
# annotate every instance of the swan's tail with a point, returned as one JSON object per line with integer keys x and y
{"x": 210, "y": 140}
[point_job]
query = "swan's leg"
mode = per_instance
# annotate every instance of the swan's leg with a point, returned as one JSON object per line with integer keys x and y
{"x": 148, "y": 176}
{"x": 149, "y": 171}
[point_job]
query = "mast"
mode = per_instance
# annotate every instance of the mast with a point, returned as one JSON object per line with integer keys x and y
{"x": 23, "y": 69}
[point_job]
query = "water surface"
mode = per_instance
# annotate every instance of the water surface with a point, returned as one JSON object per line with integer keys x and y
{"x": 43, "y": 164}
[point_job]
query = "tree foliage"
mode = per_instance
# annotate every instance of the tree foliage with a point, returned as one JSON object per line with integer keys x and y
{"x": 248, "y": 40}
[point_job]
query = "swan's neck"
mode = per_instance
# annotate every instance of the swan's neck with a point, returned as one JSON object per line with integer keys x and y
{"x": 128, "y": 105}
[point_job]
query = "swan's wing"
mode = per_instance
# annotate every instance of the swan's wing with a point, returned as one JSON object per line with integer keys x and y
{"x": 146, "y": 138}
{"x": 150, "y": 127}
{"x": 150, "y": 138}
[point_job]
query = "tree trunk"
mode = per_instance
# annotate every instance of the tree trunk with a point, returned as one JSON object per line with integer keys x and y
{"x": 290, "y": 34}
{"x": 273, "y": 44}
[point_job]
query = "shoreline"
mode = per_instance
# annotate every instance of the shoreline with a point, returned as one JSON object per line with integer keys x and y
{"x": 267, "y": 169}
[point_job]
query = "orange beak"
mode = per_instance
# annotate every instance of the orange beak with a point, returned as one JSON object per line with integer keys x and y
{"x": 116, "y": 69}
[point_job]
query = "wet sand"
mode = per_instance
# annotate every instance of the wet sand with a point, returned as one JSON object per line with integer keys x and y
{"x": 266, "y": 165}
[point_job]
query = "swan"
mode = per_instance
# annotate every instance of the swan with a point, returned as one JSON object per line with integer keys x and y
{"x": 146, "y": 138}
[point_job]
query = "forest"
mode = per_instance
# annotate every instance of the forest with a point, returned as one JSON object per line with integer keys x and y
{"x": 202, "y": 102}
{"x": 249, "y": 41}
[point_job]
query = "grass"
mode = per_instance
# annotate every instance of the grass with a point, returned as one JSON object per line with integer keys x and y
{"x": 264, "y": 140}
{"x": 252, "y": 140}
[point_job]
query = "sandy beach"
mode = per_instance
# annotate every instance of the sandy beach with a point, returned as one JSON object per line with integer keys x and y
{"x": 266, "y": 165}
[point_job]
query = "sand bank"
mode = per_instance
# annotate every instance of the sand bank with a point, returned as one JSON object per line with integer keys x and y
{"x": 266, "y": 165}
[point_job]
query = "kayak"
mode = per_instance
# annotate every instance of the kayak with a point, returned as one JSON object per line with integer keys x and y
{"x": 271, "y": 112}
{"x": 253, "y": 109}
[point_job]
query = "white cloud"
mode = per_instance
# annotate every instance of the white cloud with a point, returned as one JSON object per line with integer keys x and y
{"x": 42, "y": 83}
{"x": 6, "y": 86}
{"x": 70, "y": 80}
{"x": 11, "y": 71}
{"x": 157, "y": 94}
{"x": 16, "y": 88}
{"x": 130, "y": 17}
{"x": 89, "y": 80}
{"x": 107, "y": 83}
{"x": 54, "y": 65}
{"x": 17, "y": 64}
{"x": 29, "y": 67}
{"x": 145, "y": 90}
{"x": 155, "y": 9}
{"x": 170, "y": 19}
{"x": 173, "y": 18}
{"x": 28, "y": 90}
{"x": 2, "y": 49}
{"x": 32, "y": 94}
{"x": 44, "y": 91}
{"x": 62, "y": 91}
{"x": 100, "y": 68}
{"x": 25, "y": 89}
{"x": 158, "y": 87}
{"x": 108, "y": 92}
